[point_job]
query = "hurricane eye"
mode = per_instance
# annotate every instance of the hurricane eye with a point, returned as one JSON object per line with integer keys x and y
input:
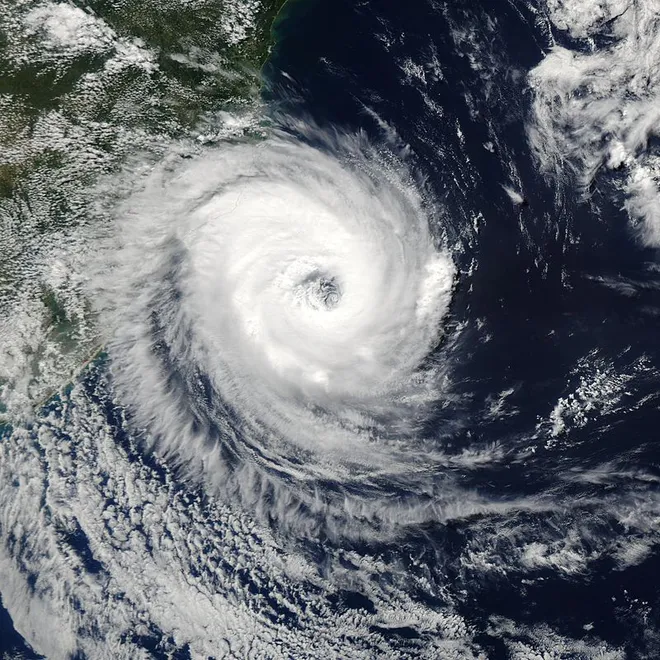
{"x": 321, "y": 292}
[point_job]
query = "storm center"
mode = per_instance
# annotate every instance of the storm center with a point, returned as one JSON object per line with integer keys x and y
{"x": 321, "y": 291}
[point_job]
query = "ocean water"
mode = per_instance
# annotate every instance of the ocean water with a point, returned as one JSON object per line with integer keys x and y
{"x": 558, "y": 292}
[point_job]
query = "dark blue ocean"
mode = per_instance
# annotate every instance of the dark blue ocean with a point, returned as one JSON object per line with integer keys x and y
{"x": 551, "y": 281}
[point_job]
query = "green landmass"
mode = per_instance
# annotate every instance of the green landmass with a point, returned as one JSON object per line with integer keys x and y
{"x": 67, "y": 120}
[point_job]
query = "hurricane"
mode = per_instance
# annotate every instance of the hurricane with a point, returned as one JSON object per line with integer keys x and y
{"x": 328, "y": 329}
{"x": 275, "y": 310}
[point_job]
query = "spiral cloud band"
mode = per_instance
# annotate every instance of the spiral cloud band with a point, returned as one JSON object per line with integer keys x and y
{"x": 273, "y": 306}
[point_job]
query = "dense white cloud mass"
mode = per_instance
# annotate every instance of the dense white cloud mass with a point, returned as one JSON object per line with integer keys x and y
{"x": 277, "y": 302}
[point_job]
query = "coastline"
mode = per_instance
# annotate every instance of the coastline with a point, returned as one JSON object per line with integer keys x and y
{"x": 278, "y": 19}
{"x": 255, "y": 57}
